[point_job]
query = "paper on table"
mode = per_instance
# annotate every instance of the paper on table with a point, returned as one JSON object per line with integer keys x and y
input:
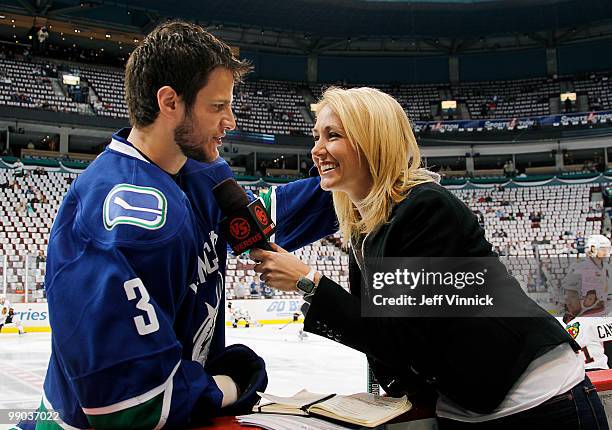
{"x": 287, "y": 422}
{"x": 372, "y": 406}
{"x": 298, "y": 400}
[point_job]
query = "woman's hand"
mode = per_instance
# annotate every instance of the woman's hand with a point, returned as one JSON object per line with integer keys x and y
{"x": 279, "y": 270}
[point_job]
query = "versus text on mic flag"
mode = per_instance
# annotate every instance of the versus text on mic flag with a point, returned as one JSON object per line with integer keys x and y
{"x": 246, "y": 225}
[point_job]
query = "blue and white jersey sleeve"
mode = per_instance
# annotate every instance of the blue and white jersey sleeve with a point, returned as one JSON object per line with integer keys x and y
{"x": 302, "y": 211}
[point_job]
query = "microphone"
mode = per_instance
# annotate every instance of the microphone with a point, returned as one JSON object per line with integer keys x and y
{"x": 245, "y": 225}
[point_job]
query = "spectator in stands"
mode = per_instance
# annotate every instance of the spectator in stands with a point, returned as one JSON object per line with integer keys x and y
{"x": 254, "y": 287}
{"x": 535, "y": 218}
{"x": 53, "y": 144}
{"x": 40, "y": 258}
{"x": 33, "y": 200}
{"x": 511, "y": 248}
{"x": 266, "y": 291}
{"x": 387, "y": 206}
{"x": 40, "y": 171}
{"x": 500, "y": 252}
{"x": 480, "y": 217}
{"x": 500, "y": 233}
{"x": 18, "y": 169}
{"x": 509, "y": 170}
{"x": 22, "y": 207}
{"x": 40, "y": 286}
{"x": 41, "y": 197}
{"x": 580, "y": 242}
{"x": 241, "y": 290}
{"x": 30, "y": 209}
{"x": 567, "y": 104}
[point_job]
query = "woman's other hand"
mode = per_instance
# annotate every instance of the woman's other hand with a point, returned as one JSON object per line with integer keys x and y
{"x": 279, "y": 269}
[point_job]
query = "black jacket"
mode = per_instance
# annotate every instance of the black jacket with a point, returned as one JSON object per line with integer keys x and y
{"x": 473, "y": 361}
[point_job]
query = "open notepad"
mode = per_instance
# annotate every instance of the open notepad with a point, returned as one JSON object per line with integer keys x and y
{"x": 288, "y": 422}
{"x": 368, "y": 410}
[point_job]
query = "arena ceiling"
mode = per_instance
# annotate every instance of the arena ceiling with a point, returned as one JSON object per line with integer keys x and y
{"x": 345, "y": 26}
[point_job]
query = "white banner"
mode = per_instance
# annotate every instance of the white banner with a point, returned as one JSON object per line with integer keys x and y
{"x": 32, "y": 315}
{"x": 265, "y": 311}
{"x": 35, "y": 316}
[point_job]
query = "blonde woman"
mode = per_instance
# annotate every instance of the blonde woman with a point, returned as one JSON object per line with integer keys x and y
{"x": 487, "y": 372}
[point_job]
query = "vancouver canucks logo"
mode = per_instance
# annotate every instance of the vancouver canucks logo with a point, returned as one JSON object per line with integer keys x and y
{"x": 573, "y": 329}
{"x": 143, "y": 207}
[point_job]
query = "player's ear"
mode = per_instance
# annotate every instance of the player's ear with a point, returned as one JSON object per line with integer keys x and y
{"x": 169, "y": 103}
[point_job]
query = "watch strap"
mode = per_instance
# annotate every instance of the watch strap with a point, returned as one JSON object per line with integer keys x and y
{"x": 311, "y": 275}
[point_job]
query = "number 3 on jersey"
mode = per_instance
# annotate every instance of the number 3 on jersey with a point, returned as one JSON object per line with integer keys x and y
{"x": 143, "y": 304}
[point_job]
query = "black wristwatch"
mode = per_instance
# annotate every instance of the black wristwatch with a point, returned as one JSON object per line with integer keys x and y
{"x": 306, "y": 286}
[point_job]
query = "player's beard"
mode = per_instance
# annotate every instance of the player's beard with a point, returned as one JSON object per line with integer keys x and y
{"x": 191, "y": 145}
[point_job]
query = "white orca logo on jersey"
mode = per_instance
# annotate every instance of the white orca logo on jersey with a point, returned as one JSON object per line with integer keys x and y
{"x": 203, "y": 338}
{"x": 143, "y": 207}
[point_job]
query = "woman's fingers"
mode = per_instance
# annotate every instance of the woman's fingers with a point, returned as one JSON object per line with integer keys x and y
{"x": 277, "y": 248}
{"x": 257, "y": 254}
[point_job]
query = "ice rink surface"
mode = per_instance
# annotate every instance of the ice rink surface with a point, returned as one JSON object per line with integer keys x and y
{"x": 314, "y": 363}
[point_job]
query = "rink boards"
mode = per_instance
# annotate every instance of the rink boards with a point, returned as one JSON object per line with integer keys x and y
{"x": 35, "y": 316}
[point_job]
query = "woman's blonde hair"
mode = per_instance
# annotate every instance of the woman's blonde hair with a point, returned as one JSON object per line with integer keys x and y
{"x": 378, "y": 128}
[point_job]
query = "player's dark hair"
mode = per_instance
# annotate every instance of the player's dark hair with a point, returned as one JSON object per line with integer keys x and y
{"x": 178, "y": 54}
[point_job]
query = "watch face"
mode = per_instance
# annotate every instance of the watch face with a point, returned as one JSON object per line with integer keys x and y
{"x": 306, "y": 285}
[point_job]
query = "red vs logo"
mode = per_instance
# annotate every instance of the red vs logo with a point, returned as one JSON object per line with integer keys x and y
{"x": 239, "y": 228}
{"x": 261, "y": 215}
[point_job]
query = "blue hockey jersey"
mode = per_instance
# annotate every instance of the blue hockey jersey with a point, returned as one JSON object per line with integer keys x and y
{"x": 135, "y": 284}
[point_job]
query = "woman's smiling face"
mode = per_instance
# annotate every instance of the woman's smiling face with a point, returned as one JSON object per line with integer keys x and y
{"x": 338, "y": 161}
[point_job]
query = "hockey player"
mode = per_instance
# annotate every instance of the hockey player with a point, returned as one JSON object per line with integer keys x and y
{"x": 586, "y": 288}
{"x": 592, "y": 273}
{"x": 237, "y": 315}
{"x": 136, "y": 263}
{"x": 7, "y": 315}
{"x": 591, "y": 333}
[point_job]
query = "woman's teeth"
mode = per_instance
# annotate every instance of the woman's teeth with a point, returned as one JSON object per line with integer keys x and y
{"x": 328, "y": 166}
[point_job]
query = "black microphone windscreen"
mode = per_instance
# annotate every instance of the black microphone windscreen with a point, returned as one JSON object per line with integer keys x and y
{"x": 230, "y": 196}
